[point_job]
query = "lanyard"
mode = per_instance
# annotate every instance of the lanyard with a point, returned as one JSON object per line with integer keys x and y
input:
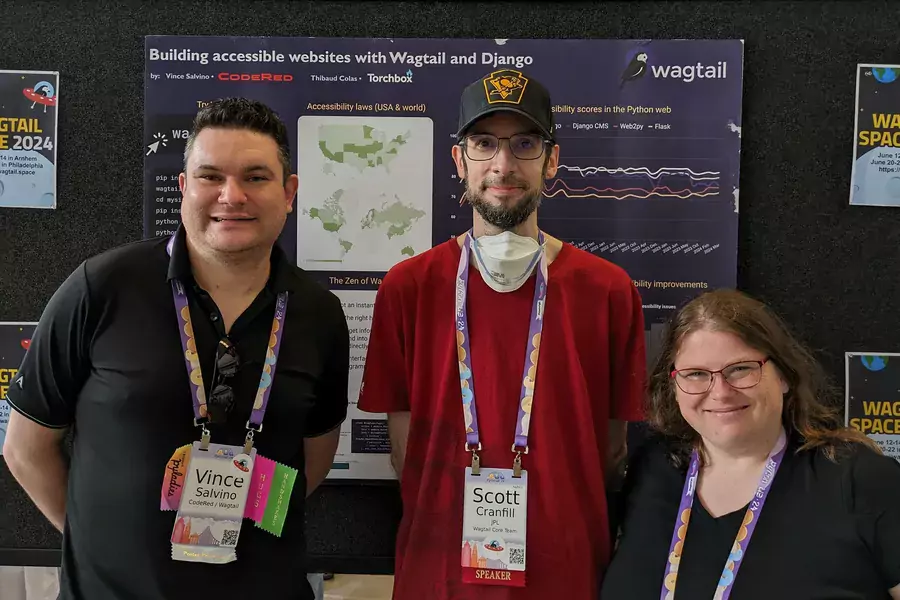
{"x": 741, "y": 540}
{"x": 529, "y": 376}
{"x": 192, "y": 361}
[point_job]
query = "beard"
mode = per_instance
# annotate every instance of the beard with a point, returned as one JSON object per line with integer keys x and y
{"x": 504, "y": 218}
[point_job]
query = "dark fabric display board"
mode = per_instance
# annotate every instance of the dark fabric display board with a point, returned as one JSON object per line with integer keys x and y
{"x": 828, "y": 268}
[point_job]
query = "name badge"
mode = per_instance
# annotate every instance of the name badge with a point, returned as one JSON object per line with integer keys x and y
{"x": 494, "y": 519}
{"x": 212, "y": 504}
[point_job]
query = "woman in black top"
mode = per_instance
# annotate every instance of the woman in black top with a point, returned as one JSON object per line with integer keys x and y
{"x": 751, "y": 489}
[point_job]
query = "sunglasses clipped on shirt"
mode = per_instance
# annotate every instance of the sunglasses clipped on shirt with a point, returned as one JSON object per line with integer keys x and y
{"x": 221, "y": 395}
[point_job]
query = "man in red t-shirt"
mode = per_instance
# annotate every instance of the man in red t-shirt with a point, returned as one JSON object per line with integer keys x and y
{"x": 446, "y": 338}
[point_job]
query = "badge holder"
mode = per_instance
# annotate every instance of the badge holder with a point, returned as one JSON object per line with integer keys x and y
{"x": 209, "y": 518}
{"x": 263, "y": 496}
{"x": 494, "y": 523}
{"x": 213, "y": 487}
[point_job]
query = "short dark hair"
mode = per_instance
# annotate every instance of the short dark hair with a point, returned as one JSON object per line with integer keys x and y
{"x": 242, "y": 113}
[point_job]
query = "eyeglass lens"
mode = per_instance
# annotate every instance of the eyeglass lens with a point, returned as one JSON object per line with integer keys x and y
{"x": 484, "y": 146}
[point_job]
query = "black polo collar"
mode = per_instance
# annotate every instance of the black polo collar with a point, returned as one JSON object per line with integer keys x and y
{"x": 281, "y": 277}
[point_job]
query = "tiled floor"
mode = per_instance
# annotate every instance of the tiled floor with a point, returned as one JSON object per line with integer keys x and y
{"x": 359, "y": 587}
{"x": 37, "y": 583}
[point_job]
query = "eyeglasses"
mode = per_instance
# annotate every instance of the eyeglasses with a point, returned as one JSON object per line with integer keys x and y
{"x": 221, "y": 396}
{"x": 739, "y": 375}
{"x": 484, "y": 146}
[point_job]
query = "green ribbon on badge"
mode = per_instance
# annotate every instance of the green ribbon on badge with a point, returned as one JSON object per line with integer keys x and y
{"x": 282, "y": 484}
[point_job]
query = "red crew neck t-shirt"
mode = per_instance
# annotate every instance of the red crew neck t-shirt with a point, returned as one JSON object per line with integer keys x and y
{"x": 592, "y": 369}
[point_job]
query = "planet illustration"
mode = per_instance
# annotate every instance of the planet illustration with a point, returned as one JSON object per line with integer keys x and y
{"x": 874, "y": 362}
{"x": 884, "y": 74}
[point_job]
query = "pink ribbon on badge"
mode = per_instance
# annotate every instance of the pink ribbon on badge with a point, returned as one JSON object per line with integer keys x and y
{"x": 260, "y": 485}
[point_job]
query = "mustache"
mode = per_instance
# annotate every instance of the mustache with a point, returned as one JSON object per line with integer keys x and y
{"x": 505, "y": 181}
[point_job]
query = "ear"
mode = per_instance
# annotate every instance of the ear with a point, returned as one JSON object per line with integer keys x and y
{"x": 457, "y": 154}
{"x": 553, "y": 162}
{"x": 290, "y": 191}
{"x": 782, "y": 380}
{"x": 182, "y": 178}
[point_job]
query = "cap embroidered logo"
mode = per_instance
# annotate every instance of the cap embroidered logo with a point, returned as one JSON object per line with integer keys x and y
{"x": 505, "y": 86}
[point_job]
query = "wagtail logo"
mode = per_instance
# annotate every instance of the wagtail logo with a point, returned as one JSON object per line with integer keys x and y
{"x": 636, "y": 69}
{"x": 505, "y": 86}
{"x": 689, "y": 73}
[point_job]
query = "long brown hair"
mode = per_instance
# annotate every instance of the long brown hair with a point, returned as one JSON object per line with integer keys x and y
{"x": 809, "y": 414}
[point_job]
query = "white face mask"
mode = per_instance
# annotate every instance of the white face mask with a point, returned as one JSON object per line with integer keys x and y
{"x": 506, "y": 260}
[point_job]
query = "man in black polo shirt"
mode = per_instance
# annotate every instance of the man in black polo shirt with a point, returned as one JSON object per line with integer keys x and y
{"x": 108, "y": 360}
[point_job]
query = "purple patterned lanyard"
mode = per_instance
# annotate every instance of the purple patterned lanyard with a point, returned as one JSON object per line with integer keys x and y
{"x": 529, "y": 377}
{"x": 192, "y": 359}
{"x": 741, "y": 540}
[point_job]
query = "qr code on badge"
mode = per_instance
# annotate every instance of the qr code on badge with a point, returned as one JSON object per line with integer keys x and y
{"x": 517, "y": 556}
{"x": 229, "y": 537}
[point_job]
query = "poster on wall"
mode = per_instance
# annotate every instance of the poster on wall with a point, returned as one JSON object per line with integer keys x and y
{"x": 875, "y": 176}
{"x": 14, "y": 341}
{"x": 872, "y": 403}
{"x": 649, "y": 135}
{"x": 28, "y": 124}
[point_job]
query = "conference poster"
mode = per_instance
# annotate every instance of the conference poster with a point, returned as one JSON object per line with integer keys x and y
{"x": 649, "y": 134}
{"x": 872, "y": 402}
{"x": 875, "y": 175}
{"x": 28, "y": 138}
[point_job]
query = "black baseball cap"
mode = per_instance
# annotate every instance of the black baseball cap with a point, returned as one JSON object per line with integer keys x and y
{"x": 506, "y": 90}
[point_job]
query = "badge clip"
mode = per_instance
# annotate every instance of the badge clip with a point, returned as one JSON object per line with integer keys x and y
{"x": 204, "y": 438}
{"x": 517, "y": 461}
{"x": 476, "y": 460}
{"x": 248, "y": 441}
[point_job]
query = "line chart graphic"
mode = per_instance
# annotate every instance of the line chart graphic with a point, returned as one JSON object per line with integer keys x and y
{"x": 649, "y": 248}
{"x": 642, "y": 183}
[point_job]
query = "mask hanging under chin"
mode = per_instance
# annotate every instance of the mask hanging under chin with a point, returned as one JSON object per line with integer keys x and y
{"x": 506, "y": 260}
